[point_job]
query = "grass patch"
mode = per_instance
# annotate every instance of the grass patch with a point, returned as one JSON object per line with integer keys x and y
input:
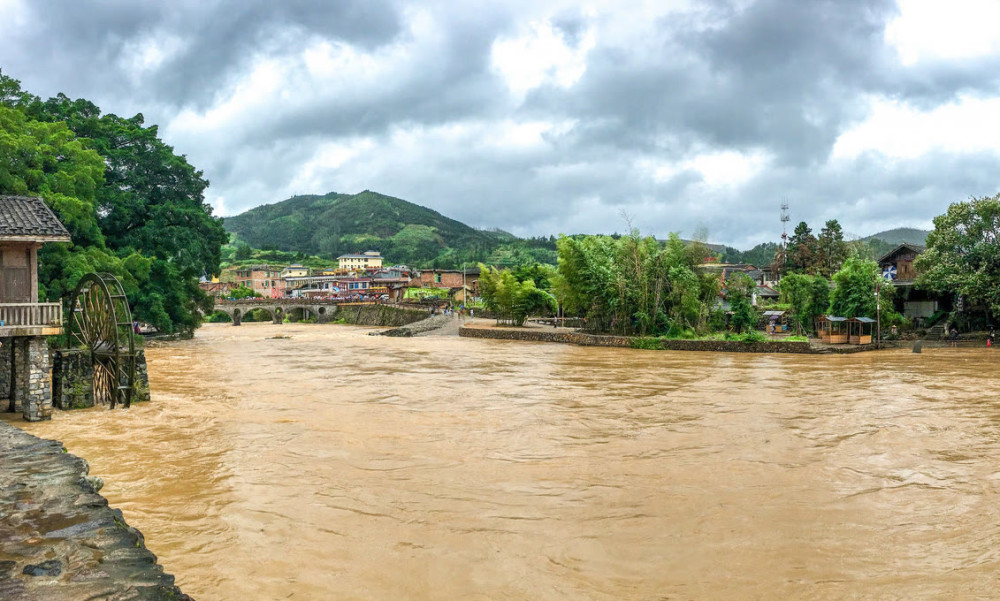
{"x": 648, "y": 343}
{"x": 747, "y": 337}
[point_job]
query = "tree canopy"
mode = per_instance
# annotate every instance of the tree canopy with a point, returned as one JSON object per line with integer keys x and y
{"x": 963, "y": 252}
{"x": 46, "y": 159}
{"x": 807, "y": 296}
{"x": 635, "y": 285}
{"x": 510, "y": 299}
{"x": 854, "y": 292}
{"x": 133, "y": 206}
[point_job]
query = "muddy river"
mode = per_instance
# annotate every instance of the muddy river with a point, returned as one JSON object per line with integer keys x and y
{"x": 314, "y": 462}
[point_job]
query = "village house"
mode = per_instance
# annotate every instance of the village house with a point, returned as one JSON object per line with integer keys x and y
{"x": 370, "y": 259}
{"x": 294, "y": 271}
{"x": 265, "y": 280}
{"x": 453, "y": 279}
{"x": 727, "y": 270}
{"x": 897, "y": 266}
{"x": 216, "y": 289}
{"x": 26, "y": 223}
{"x": 312, "y": 286}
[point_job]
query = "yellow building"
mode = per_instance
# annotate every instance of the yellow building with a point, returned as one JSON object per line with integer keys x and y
{"x": 295, "y": 271}
{"x": 370, "y": 259}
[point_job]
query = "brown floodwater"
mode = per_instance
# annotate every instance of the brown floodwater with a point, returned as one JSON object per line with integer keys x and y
{"x": 328, "y": 464}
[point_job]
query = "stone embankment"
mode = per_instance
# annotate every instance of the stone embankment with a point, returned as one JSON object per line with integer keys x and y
{"x": 380, "y": 315}
{"x": 59, "y": 540}
{"x": 424, "y": 326}
{"x": 574, "y": 337}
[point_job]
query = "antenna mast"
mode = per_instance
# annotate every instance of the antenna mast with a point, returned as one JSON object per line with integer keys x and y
{"x": 784, "y": 231}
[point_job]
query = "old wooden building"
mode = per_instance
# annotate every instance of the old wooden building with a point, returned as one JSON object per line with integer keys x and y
{"x": 26, "y": 223}
{"x": 898, "y": 267}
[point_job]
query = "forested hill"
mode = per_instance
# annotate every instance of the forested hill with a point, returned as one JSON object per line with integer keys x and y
{"x": 900, "y": 235}
{"x": 334, "y": 224}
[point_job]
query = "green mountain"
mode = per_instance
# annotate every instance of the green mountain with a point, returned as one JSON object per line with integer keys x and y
{"x": 900, "y": 235}
{"x": 334, "y": 224}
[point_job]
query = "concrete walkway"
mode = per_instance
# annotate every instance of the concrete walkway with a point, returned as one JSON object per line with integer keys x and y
{"x": 59, "y": 540}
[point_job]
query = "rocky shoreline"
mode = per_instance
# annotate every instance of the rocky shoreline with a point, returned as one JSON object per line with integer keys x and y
{"x": 59, "y": 540}
{"x": 569, "y": 336}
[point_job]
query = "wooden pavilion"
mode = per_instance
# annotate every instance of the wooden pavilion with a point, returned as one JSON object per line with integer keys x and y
{"x": 832, "y": 329}
{"x": 859, "y": 330}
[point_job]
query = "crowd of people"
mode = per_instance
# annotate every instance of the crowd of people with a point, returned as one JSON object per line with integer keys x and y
{"x": 459, "y": 312}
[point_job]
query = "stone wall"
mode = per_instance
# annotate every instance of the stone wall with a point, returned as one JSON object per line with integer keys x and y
{"x": 141, "y": 378}
{"x": 38, "y": 402}
{"x": 25, "y": 377}
{"x": 539, "y": 335}
{"x": 380, "y": 315}
{"x": 73, "y": 379}
{"x": 59, "y": 540}
{"x": 6, "y": 361}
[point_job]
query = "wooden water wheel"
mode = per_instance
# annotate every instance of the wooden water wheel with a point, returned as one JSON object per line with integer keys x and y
{"x": 100, "y": 322}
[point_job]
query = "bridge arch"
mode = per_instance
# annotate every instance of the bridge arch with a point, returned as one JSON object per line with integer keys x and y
{"x": 279, "y": 309}
{"x": 302, "y": 312}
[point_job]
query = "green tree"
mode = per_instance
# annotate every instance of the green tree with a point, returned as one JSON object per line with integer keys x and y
{"x": 831, "y": 248}
{"x": 634, "y": 285}
{"x": 740, "y": 289}
{"x": 963, "y": 252}
{"x": 854, "y": 292}
{"x": 802, "y": 249}
{"x": 820, "y": 303}
{"x": 47, "y": 160}
{"x": 808, "y": 297}
{"x": 243, "y": 252}
{"x": 511, "y": 300}
{"x": 242, "y": 292}
{"x": 151, "y": 202}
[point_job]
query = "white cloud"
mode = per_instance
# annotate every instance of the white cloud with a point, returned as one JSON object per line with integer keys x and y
{"x": 14, "y": 17}
{"x": 898, "y": 130}
{"x": 147, "y": 54}
{"x": 717, "y": 169}
{"x": 321, "y": 170}
{"x": 541, "y": 56}
{"x": 928, "y": 30}
{"x": 252, "y": 99}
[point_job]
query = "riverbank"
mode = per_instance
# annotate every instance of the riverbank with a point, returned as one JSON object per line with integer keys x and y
{"x": 60, "y": 540}
{"x": 484, "y": 329}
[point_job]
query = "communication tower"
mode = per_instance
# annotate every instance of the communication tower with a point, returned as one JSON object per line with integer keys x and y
{"x": 784, "y": 220}
{"x": 784, "y": 232}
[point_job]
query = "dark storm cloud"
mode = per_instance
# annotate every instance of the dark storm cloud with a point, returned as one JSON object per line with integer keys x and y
{"x": 779, "y": 80}
{"x": 82, "y": 42}
{"x": 779, "y": 75}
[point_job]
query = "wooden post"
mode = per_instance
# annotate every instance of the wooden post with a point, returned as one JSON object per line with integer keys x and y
{"x": 878, "y": 314}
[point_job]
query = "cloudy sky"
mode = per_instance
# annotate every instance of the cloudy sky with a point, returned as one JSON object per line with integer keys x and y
{"x": 541, "y": 117}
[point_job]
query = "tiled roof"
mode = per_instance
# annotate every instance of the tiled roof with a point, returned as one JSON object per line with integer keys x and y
{"x": 29, "y": 216}
{"x": 916, "y": 248}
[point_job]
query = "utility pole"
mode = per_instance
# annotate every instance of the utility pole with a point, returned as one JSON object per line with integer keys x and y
{"x": 878, "y": 314}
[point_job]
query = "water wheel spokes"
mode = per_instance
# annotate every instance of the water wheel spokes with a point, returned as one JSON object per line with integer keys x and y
{"x": 100, "y": 322}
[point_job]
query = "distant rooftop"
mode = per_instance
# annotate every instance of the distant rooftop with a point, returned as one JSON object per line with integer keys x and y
{"x": 29, "y": 218}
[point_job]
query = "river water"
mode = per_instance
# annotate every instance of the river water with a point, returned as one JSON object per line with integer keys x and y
{"x": 314, "y": 462}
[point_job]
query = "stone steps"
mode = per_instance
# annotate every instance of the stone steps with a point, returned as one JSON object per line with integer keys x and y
{"x": 935, "y": 333}
{"x": 60, "y": 541}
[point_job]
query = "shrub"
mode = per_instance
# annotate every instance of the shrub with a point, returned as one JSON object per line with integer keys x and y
{"x": 648, "y": 343}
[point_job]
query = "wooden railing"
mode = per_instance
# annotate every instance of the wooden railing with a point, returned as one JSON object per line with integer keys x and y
{"x": 30, "y": 314}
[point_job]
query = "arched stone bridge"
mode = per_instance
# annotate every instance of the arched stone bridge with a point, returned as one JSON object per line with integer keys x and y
{"x": 278, "y": 308}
